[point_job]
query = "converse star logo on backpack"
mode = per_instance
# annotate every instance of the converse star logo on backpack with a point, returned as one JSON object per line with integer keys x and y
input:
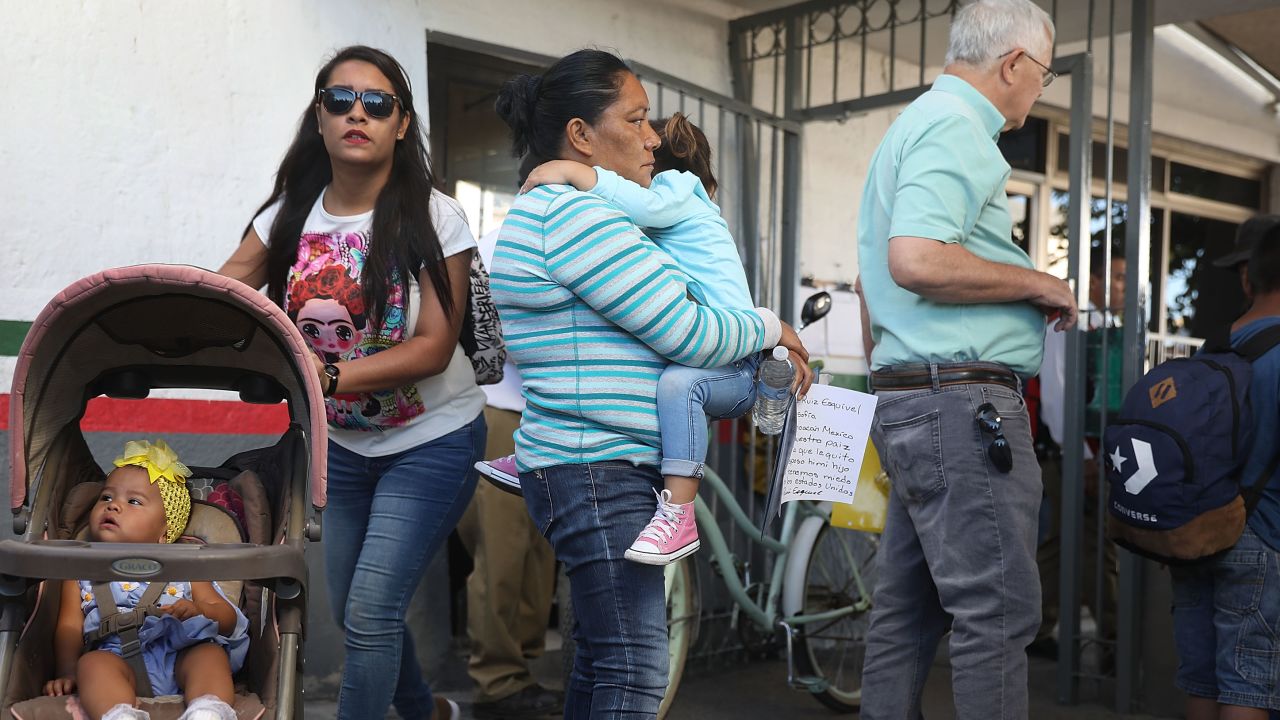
{"x": 1144, "y": 473}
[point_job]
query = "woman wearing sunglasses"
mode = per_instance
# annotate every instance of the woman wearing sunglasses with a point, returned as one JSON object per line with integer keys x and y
{"x": 373, "y": 265}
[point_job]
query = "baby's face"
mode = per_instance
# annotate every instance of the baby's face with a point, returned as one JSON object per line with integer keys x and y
{"x": 129, "y": 509}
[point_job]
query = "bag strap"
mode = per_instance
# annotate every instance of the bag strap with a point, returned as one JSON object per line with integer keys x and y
{"x": 1253, "y": 493}
{"x": 1260, "y": 344}
{"x": 112, "y": 621}
{"x": 1252, "y": 349}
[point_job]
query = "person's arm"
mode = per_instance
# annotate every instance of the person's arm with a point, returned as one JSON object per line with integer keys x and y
{"x": 670, "y": 199}
{"x": 948, "y": 273}
{"x": 207, "y": 601}
{"x": 561, "y": 172}
{"x": 425, "y": 354}
{"x": 248, "y": 263}
{"x": 604, "y": 259}
{"x": 68, "y": 640}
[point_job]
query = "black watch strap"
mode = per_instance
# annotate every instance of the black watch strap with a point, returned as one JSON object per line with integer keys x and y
{"x": 331, "y": 372}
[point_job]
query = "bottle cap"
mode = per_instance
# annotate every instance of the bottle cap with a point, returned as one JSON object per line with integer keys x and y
{"x": 780, "y": 353}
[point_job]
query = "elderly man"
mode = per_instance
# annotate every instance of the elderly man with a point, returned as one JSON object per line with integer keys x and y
{"x": 957, "y": 317}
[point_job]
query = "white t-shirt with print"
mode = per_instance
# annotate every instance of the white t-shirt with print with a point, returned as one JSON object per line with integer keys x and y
{"x": 324, "y": 298}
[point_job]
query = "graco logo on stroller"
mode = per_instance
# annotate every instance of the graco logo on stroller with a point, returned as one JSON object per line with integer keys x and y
{"x": 137, "y": 567}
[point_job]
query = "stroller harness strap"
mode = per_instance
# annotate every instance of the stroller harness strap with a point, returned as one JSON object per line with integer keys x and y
{"x": 125, "y": 623}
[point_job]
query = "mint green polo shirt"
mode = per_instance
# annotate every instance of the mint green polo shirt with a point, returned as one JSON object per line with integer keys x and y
{"x": 938, "y": 174}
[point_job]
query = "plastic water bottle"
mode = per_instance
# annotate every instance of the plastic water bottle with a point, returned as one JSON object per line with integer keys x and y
{"x": 773, "y": 392}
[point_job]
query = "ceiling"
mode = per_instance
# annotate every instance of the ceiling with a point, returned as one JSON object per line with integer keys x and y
{"x": 1254, "y": 33}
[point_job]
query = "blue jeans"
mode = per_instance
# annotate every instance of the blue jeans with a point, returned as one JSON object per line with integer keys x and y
{"x": 386, "y": 518}
{"x": 1226, "y": 613}
{"x": 686, "y": 396}
{"x": 591, "y": 513}
{"x": 958, "y": 550}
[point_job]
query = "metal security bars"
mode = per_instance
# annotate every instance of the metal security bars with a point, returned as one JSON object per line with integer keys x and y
{"x": 827, "y": 60}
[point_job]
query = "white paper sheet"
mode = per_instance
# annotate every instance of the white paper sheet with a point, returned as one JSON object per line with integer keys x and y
{"x": 830, "y": 440}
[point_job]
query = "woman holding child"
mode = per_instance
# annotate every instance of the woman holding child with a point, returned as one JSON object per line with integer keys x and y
{"x": 594, "y": 312}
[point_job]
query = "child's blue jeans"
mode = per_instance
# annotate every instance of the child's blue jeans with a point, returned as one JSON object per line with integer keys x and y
{"x": 687, "y": 396}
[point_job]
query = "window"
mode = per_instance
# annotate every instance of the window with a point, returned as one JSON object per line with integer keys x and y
{"x": 1199, "y": 298}
{"x": 1190, "y": 298}
{"x": 1024, "y": 148}
{"x": 1120, "y": 162}
{"x": 1190, "y": 180}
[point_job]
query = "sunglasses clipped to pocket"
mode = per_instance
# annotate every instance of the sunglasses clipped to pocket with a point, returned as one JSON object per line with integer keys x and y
{"x": 989, "y": 422}
{"x": 377, "y": 103}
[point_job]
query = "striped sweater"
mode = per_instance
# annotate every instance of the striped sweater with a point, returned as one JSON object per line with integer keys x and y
{"x": 592, "y": 312}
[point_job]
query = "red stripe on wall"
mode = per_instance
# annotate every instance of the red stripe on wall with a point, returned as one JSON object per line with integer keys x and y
{"x": 162, "y": 415}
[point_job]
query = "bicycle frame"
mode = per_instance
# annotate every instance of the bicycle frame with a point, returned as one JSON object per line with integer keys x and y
{"x": 768, "y": 615}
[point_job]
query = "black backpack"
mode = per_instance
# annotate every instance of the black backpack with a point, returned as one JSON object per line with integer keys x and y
{"x": 1175, "y": 454}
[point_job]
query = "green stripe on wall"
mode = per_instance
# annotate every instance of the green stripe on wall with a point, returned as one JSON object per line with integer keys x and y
{"x": 12, "y": 333}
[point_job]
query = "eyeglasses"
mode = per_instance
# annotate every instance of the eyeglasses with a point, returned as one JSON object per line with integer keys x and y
{"x": 989, "y": 422}
{"x": 339, "y": 101}
{"x": 1049, "y": 75}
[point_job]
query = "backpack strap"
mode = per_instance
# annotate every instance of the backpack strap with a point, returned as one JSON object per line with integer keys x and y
{"x": 1252, "y": 349}
{"x": 1253, "y": 493}
{"x": 1260, "y": 344}
{"x": 113, "y": 621}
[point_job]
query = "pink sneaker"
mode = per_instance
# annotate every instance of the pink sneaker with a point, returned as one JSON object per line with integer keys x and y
{"x": 502, "y": 473}
{"x": 669, "y": 536}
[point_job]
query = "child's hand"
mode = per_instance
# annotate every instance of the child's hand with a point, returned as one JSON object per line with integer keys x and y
{"x": 561, "y": 172}
{"x": 182, "y": 609}
{"x": 60, "y": 686}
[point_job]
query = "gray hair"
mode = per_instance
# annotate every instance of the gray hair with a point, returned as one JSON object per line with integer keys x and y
{"x": 984, "y": 29}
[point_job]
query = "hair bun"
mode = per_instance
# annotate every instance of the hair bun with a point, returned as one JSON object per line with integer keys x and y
{"x": 515, "y": 105}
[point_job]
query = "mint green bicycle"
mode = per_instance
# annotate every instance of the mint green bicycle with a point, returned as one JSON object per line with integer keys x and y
{"x": 816, "y": 601}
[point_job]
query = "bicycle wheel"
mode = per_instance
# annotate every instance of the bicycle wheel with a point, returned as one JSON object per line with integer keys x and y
{"x": 823, "y": 571}
{"x": 682, "y": 622}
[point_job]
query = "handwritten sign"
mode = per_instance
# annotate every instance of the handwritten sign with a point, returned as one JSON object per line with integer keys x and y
{"x": 832, "y": 426}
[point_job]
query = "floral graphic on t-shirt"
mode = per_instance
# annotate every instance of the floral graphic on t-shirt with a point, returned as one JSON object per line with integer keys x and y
{"x": 326, "y": 301}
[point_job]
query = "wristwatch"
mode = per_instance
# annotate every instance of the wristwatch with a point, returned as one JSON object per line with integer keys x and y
{"x": 331, "y": 372}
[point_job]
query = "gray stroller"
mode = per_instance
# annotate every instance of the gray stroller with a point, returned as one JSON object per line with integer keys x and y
{"x": 123, "y": 333}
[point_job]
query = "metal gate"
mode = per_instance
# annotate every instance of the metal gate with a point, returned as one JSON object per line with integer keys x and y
{"x": 833, "y": 59}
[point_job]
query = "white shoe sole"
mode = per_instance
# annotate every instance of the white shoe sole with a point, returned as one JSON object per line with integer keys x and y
{"x": 660, "y": 559}
{"x": 502, "y": 481}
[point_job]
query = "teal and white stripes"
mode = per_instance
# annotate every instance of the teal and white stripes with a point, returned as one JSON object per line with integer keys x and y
{"x": 592, "y": 312}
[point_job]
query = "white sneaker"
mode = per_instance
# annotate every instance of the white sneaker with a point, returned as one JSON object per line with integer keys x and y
{"x": 125, "y": 711}
{"x": 208, "y": 707}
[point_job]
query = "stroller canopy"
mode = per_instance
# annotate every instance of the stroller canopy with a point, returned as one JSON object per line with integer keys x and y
{"x": 125, "y": 331}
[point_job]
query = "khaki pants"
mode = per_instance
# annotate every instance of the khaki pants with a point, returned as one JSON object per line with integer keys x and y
{"x": 509, "y": 592}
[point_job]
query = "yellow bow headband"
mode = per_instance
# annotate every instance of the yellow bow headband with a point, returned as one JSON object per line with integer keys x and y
{"x": 161, "y": 464}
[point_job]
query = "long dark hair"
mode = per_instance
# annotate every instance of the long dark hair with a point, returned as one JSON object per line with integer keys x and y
{"x": 403, "y": 239}
{"x": 684, "y": 148}
{"x": 537, "y": 107}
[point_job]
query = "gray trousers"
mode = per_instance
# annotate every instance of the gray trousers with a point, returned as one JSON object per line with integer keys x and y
{"x": 958, "y": 552}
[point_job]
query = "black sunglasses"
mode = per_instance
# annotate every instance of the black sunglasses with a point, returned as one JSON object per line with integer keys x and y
{"x": 989, "y": 422}
{"x": 377, "y": 103}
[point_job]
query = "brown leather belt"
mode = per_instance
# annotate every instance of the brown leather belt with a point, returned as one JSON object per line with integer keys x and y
{"x": 919, "y": 376}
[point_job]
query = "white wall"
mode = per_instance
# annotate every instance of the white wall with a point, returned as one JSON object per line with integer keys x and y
{"x": 165, "y": 119}
{"x": 148, "y": 131}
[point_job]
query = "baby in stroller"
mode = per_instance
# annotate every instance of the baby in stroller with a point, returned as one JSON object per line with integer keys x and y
{"x": 116, "y": 641}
